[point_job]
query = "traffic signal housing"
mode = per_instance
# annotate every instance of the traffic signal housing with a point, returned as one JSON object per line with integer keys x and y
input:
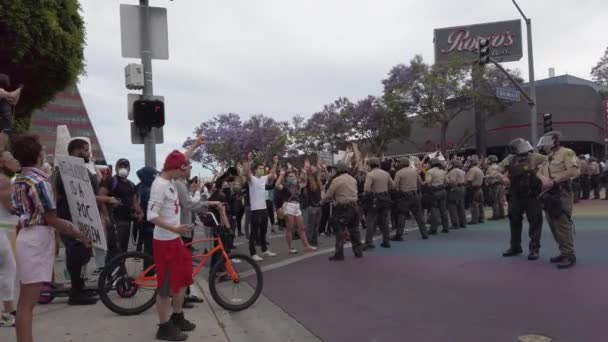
{"x": 149, "y": 113}
{"x": 484, "y": 51}
{"x": 547, "y": 122}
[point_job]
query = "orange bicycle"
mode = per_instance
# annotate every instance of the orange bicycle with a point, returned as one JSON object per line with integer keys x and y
{"x": 235, "y": 281}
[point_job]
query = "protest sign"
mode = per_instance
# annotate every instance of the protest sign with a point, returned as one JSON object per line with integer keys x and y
{"x": 81, "y": 199}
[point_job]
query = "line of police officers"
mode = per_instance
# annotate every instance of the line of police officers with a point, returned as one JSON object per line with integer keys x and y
{"x": 533, "y": 180}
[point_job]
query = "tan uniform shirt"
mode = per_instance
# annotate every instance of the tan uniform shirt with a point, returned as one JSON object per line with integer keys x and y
{"x": 377, "y": 181}
{"x": 435, "y": 177}
{"x": 559, "y": 162}
{"x": 594, "y": 168}
{"x": 342, "y": 190}
{"x": 536, "y": 160}
{"x": 407, "y": 179}
{"x": 474, "y": 176}
{"x": 493, "y": 174}
{"x": 455, "y": 177}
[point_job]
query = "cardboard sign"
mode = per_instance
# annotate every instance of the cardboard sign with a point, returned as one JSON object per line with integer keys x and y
{"x": 81, "y": 199}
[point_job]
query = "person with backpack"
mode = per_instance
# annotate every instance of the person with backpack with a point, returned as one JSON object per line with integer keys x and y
{"x": 129, "y": 210}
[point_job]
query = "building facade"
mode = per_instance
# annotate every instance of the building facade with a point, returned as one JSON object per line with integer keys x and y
{"x": 67, "y": 108}
{"x": 576, "y": 106}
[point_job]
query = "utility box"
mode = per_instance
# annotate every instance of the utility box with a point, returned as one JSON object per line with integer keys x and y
{"x": 134, "y": 76}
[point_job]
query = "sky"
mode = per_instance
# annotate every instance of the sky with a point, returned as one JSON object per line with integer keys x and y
{"x": 285, "y": 57}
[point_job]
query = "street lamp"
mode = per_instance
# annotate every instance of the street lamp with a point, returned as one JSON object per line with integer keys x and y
{"x": 533, "y": 118}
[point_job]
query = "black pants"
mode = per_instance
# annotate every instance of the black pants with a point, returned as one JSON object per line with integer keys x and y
{"x": 410, "y": 203}
{"x": 124, "y": 234}
{"x": 325, "y": 211}
{"x": 76, "y": 256}
{"x": 533, "y": 209}
{"x": 270, "y": 210}
{"x": 238, "y": 220}
{"x": 259, "y": 226}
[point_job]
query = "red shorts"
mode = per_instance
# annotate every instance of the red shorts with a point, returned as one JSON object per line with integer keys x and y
{"x": 173, "y": 262}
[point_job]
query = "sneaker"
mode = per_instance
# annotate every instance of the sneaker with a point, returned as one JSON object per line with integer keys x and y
{"x": 193, "y": 299}
{"x": 310, "y": 249}
{"x": 82, "y": 299}
{"x": 293, "y": 251}
{"x": 7, "y": 320}
{"x": 235, "y": 261}
{"x": 256, "y": 258}
{"x": 169, "y": 332}
{"x": 181, "y": 322}
{"x": 268, "y": 253}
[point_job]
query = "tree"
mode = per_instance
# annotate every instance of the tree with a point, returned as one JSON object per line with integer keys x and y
{"x": 435, "y": 94}
{"x": 375, "y": 125}
{"x": 41, "y": 46}
{"x": 266, "y": 137}
{"x": 599, "y": 72}
{"x": 226, "y": 140}
{"x": 329, "y": 129}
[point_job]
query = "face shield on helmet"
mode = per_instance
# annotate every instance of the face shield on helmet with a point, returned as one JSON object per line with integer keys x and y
{"x": 520, "y": 146}
{"x": 546, "y": 143}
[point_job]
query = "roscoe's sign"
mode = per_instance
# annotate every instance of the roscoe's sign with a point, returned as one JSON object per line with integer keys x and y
{"x": 463, "y": 41}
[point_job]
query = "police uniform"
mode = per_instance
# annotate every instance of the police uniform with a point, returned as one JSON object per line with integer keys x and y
{"x": 558, "y": 203}
{"x": 377, "y": 203}
{"x": 435, "y": 179}
{"x": 345, "y": 215}
{"x": 585, "y": 173}
{"x": 595, "y": 178}
{"x": 406, "y": 184}
{"x": 524, "y": 190}
{"x": 493, "y": 179}
{"x": 474, "y": 179}
{"x": 455, "y": 182}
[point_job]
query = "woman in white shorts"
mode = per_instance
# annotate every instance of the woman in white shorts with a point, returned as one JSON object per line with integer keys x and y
{"x": 289, "y": 188}
{"x": 33, "y": 202}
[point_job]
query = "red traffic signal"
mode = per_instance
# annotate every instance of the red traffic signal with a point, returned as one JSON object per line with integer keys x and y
{"x": 149, "y": 113}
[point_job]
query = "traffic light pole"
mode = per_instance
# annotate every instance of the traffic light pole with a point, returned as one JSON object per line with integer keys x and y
{"x": 533, "y": 113}
{"x": 148, "y": 91}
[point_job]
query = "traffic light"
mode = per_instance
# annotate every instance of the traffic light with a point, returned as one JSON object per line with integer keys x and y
{"x": 149, "y": 113}
{"x": 547, "y": 122}
{"x": 484, "y": 51}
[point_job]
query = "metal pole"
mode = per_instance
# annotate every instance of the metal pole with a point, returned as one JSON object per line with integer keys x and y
{"x": 480, "y": 115}
{"x": 146, "y": 61}
{"x": 533, "y": 113}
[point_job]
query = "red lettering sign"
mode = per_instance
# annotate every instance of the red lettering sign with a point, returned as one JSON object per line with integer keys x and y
{"x": 462, "y": 40}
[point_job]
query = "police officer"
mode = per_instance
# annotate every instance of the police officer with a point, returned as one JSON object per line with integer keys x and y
{"x": 474, "y": 180}
{"x": 377, "y": 202}
{"x": 594, "y": 177}
{"x": 406, "y": 184}
{"x": 585, "y": 173}
{"x": 342, "y": 192}
{"x": 435, "y": 179}
{"x": 493, "y": 179}
{"x": 520, "y": 168}
{"x": 556, "y": 174}
{"x": 456, "y": 192}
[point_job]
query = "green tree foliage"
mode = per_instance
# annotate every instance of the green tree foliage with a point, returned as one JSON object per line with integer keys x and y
{"x": 41, "y": 47}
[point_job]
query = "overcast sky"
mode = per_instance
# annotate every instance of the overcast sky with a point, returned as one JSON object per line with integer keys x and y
{"x": 285, "y": 57}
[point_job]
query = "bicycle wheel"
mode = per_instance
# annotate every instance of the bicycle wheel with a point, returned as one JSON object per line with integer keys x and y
{"x": 240, "y": 293}
{"x": 125, "y": 286}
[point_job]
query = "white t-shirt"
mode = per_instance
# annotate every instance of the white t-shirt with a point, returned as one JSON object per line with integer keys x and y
{"x": 164, "y": 203}
{"x": 257, "y": 192}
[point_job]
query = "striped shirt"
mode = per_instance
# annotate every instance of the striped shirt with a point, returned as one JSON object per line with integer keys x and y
{"x": 31, "y": 197}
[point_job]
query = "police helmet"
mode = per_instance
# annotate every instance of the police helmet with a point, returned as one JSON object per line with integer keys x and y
{"x": 404, "y": 162}
{"x": 341, "y": 167}
{"x": 474, "y": 159}
{"x": 373, "y": 162}
{"x": 520, "y": 146}
{"x": 456, "y": 163}
{"x": 435, "y": 162}
{"x": 492, "y": 158}
{"x": 549, "y": 139}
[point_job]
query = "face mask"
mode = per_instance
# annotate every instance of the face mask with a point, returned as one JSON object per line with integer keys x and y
{"x": 292, "y": 182}
{"x": 123, "y": 173}
{"x": 259, "y": 173}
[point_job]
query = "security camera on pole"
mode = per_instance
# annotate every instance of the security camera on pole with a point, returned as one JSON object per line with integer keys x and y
{"x": 144, "y": 35}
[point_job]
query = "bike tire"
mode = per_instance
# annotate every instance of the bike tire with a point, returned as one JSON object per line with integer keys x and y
{"x": 217, "y": 268}
{"x": 104, "y": 278}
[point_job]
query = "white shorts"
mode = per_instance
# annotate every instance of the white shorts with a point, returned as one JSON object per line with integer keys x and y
{"x": 8, "y": 269}
{"x": 292, "y": 209}
{"x": 35, "y": 254}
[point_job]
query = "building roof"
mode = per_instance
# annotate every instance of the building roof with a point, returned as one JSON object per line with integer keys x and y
{"x": 569, "y": 79}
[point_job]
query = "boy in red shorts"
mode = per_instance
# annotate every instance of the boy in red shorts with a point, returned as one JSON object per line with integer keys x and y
{"x": 172, "y": 259}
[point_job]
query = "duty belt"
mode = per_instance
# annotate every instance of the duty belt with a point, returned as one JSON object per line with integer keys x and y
{"x": 410, "y": 192}
{"x": 346, "y": 205}
{"x": 437, "y": 188}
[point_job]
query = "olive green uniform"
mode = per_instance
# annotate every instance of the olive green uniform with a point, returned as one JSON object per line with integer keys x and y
{"x": 407, "y": 183}
{"x": 345, "y": 216}
{"x": 558, "y": 200}
{"x": 455, "y": 182}
{"x": 585, "y": 173}
{"x": 474, "y": 180}
{"x": 524, "y": 190}
{"x": 435, "y": 179}
{"x": 377, "y": 204}
{"x": 493, "y": 179}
